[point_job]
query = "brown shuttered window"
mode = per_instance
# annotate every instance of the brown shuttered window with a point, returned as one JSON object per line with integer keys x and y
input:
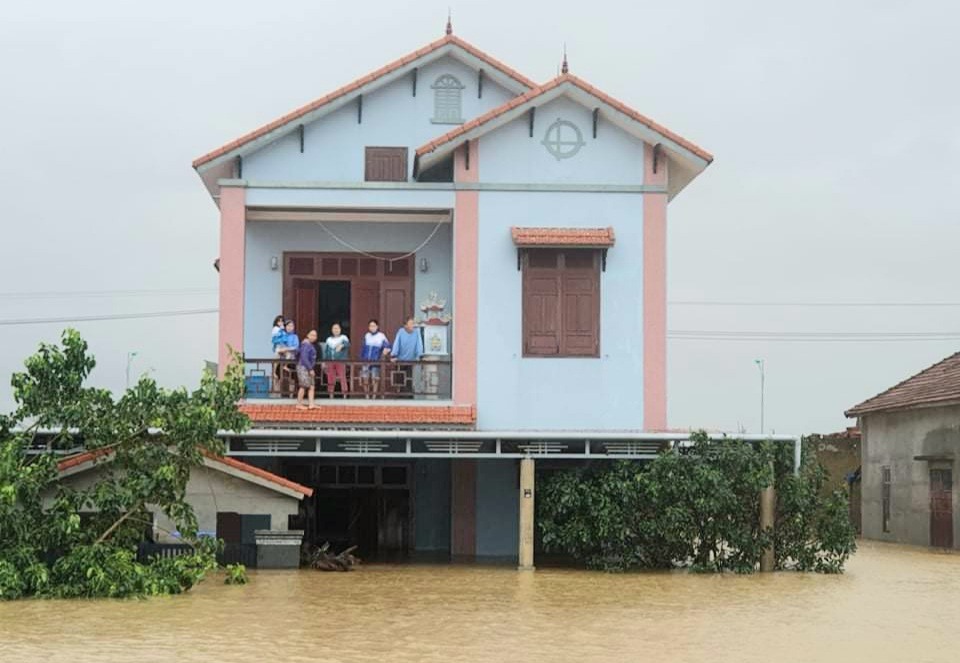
{"x": 385, "y": 164}
{"x": 561, "y": 303}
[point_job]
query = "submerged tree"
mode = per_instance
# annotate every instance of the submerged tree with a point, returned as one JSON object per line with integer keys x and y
{"x": 146, "y": 443}
{"x": 697, "y": 507}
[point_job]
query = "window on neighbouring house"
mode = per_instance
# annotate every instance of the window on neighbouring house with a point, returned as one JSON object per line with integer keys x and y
{"x": 561, "y": 303}
{"x": 885, "y": 481}
{"x": 385, "y": 164}
{"x": 447, "y": 95}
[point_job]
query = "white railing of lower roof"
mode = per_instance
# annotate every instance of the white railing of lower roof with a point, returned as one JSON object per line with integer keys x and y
{"x": 464, "y": 443}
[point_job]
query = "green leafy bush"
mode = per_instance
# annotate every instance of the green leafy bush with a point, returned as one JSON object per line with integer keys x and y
{"x": 152, "y": 438}
{"x": 697, "y": 508}
{"x": 236, "y": 574}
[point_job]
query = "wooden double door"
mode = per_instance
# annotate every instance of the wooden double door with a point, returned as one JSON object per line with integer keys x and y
{"x": 941, "y": 508}
{"x": 351, "y": 289}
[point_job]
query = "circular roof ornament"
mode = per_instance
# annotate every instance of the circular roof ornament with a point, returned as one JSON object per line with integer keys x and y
{"x": 563, "y": 139}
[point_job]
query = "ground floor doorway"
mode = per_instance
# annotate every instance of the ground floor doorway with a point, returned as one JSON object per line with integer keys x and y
{"x": 941, "y": 508}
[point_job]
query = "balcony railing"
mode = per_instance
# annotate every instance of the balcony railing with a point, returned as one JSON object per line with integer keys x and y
{"x": 427, "y": 379}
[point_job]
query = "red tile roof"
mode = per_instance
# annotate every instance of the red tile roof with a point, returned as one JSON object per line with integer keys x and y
{"x": 938, "y": 384}
{"x": 359, "y": 83}
{"x": 543, "y": 89}
{"x": 82, "y": 458}
{"x": 260, "y": 472}
{"x": 587, "y": 237}
{"x": 88, "y": 456}
{"x": 459, "y": 415}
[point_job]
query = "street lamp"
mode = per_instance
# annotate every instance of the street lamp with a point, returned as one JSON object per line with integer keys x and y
{"x": 760, "y": 364}
{"x": 130, "y": 356}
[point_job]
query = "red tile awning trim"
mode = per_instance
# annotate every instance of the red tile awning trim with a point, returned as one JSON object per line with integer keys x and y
{"x": 359, "y": 83}
{"x": 558, "y": 237}
{"x": 546, "y": 87}
{"x": 89, "y": 456}
{"x": 457, "y": 415}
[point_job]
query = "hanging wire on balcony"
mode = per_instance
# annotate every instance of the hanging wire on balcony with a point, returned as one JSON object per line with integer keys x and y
{"x": 391, "y": 259}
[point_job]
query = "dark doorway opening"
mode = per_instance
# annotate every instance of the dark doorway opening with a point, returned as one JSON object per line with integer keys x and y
{"x": 333, "y": 306}
{"x": 363, "y": 505}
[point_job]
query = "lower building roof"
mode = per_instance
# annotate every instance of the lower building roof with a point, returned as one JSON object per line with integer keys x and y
{"x": 937, "y": 385}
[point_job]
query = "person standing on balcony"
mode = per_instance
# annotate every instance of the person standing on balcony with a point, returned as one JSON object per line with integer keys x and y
{"x": 336, "y": 350}
{"x": 306, "y": 370}
{"x": 376, "y": 347}
{"x": 276, "y": 335}
{"x": 407, "y": 346}
{"x": 287, "y": 348}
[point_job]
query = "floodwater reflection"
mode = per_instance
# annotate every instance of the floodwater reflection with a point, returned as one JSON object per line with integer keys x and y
{"x": 893, "y": 604}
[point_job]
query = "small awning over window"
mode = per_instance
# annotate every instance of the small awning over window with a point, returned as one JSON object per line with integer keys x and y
{"x": 586, "y": 238}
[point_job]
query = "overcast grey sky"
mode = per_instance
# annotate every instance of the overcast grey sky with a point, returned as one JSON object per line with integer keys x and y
{"x": 834, "y": 125}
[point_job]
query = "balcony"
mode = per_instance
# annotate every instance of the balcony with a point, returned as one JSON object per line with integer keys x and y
{"x": 275, "y": 379}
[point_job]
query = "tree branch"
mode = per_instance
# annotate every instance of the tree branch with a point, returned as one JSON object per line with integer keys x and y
{"x": 117, "y": 523}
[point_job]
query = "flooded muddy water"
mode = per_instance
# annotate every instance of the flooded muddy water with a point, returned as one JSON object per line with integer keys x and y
{"x": 893, "y": 604}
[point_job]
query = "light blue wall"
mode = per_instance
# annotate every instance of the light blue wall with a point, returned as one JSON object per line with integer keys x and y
{"x": 263, "y": 287}
{"x": 509, "y": 154}
{"x": 392, "y": 117}
{"x": 560, "y": 393}
{"x": 432, "y": 505}
{"x": 498, "y": 508}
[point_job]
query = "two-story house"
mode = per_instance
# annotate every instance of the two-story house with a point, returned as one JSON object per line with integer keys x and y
{"x": 524, "y": 225}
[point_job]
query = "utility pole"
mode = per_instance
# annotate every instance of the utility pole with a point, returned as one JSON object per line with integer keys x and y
{"x": 761, "y": 365}
{"x": 130, "y": 356}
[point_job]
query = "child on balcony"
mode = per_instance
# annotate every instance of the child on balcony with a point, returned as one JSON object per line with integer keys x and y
{"x": 336, "y": 350}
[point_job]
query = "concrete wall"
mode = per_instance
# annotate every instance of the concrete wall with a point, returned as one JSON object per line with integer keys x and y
{"x": 605, "y": 392}
{"x": 263, "y": 291}
{"x": 498, "y": 504}
{"x": 432, "y": 505}
{"x": 392, "y": 117}
{"x": 893, "y": 439}
{"x": 210, "y": 491}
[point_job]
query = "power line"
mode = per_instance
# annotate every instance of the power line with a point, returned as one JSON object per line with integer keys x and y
{"x": 818, "y": 304}
{"x": 811, "y": 337}
{"x": 61, "y": 294}
{"x": 116, "y": 316}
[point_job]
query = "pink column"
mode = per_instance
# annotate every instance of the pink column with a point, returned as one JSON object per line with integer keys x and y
{"x": 232, "y": 221}
{"x": 654, "y": 295}
{"x": 465, "y": 237}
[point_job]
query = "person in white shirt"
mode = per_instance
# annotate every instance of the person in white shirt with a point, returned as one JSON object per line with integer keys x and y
{"x": 336, "y": 350}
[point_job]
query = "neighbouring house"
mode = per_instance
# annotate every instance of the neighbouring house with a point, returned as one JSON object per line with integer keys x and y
{"x": 910, "y": 446}
{"x": 524, "y": 224}
{"x": 231, "y": 500}
{"x": 839, "y": 453}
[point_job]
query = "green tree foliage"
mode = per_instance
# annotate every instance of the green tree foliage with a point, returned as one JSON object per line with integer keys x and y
{"x": 147, "y": 441}
{"x": 696, "y": 507}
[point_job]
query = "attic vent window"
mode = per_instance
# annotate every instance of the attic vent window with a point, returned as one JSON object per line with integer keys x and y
{"x": 447, "y": 93}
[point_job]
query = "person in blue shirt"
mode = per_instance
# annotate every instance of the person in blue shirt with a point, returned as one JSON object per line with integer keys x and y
{"x": 288, "y": 345}
{"x": 408, "y": 343}
{"x": 376, "y": 347}
{"x": 407, "y": 346}
{"x": 276, "y": 335}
